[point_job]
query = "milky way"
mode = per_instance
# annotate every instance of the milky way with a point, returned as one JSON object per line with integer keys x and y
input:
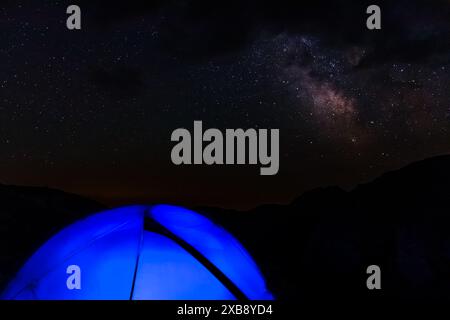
{"x": 91, "y": 112}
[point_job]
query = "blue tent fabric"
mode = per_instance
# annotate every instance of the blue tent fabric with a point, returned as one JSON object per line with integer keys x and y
{"x": 182, "y": 255}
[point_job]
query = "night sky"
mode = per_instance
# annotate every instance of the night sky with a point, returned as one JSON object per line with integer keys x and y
{"x": 91, "y": 111}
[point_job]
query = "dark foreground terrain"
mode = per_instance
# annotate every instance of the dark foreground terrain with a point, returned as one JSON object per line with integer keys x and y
{"x": 316, "y": 248}
{"x": 29, "y": 216}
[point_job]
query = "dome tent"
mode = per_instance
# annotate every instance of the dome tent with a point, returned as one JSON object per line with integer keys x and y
{"x": 141, "y": 252}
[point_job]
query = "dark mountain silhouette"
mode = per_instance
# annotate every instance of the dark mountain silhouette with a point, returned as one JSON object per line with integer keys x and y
{"x": 31, "y": 215}
{"x": 315, "y": 249}
{"x": 319, "y": 247}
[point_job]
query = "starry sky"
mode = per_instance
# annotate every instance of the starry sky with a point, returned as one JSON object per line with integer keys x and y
{"x": 91, "y": 111}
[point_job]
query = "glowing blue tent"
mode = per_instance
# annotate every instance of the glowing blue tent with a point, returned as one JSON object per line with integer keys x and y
{"x": 140, "y": 252}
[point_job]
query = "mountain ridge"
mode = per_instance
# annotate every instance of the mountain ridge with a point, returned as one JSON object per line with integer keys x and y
{"x": 317, "y": 247}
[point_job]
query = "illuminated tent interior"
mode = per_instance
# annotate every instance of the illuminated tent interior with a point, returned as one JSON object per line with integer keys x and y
{"x": 141, "y": 252}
